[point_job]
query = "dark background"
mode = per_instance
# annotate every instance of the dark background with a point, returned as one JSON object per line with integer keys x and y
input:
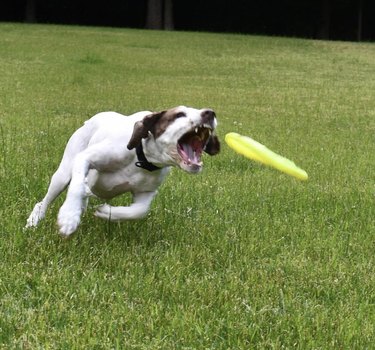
{"x": 318, "y": 19}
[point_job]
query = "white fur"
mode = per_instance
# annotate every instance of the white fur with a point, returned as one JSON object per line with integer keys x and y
{"x": 97, "y": 162}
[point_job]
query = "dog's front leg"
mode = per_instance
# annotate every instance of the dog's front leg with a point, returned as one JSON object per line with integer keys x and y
{"x": 70, "y": 212}
{"x": 137, "y": 210}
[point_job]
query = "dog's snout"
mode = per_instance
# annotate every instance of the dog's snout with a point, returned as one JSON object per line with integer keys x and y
{"x": 208, "y": 116}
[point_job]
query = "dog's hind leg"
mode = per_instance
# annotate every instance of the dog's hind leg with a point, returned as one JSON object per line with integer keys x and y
{"x": 137, "y": 210}
{"x": 61, "y": 177}
{"x": 59, "y": 181}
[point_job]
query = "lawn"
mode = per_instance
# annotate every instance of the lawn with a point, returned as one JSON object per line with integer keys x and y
{"x": 240, "y": 256}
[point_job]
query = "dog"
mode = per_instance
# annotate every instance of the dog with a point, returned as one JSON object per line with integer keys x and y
{"x": 112, "y": 154}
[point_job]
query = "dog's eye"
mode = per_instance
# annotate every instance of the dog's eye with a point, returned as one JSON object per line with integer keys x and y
{"x": 180, "y": 115}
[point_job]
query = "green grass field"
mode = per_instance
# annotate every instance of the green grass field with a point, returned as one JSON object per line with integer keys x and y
{"x": 238, "y": 257}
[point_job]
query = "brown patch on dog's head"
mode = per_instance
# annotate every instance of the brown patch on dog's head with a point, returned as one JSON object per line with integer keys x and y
{"x": 155, "y": 123}
{"x": 167, "y": 119}
{"x": 143, "y": 127}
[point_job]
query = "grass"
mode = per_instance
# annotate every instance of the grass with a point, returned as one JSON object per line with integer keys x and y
{"x": 238, "y": 257}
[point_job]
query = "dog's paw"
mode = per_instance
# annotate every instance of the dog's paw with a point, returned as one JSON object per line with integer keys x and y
{"x": 68, "y": 221}
{"x": 68, "y": 224}
{"x": 36, "y": 215}
{"x": 103, "y": 212}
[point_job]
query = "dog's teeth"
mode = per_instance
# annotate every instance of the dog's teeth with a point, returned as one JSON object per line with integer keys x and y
{"x": 196, "y": 130}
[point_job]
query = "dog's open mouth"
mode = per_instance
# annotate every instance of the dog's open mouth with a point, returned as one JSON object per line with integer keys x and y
{"x": 190, "y": 147}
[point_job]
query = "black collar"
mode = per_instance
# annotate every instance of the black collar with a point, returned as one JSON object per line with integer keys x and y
{"x": 142, "y": 160}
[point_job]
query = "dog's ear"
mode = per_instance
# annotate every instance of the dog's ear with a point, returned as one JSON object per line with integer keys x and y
{"x": 142, "y": 128}
{"x": 212, "y": 146}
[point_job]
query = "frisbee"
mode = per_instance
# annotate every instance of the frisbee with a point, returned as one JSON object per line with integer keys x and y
{"x": 254, "y": 150}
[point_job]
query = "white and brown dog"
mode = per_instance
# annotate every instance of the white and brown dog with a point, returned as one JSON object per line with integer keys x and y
{"x": 112, "y": 154}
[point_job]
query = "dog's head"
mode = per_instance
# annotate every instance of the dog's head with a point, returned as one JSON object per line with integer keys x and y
{"x": 178, "y": 136}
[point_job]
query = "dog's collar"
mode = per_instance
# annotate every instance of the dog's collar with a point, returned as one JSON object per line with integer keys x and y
{"x": 142, "y": 160}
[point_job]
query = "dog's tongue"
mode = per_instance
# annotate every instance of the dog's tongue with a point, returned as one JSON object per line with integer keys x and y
{"x": 191, "y": 152}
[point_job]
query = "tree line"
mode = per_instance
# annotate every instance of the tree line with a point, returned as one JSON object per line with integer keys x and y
{"x": 317, "y": 19}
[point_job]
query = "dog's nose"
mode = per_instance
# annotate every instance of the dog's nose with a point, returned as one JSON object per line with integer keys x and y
{"x": 208, "y": 117}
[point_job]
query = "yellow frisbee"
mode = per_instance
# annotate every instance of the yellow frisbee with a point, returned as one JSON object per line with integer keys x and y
{"x": 256, "y": 151}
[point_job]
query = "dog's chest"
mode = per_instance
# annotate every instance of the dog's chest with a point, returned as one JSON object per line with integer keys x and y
{"x": 129, "y": 179}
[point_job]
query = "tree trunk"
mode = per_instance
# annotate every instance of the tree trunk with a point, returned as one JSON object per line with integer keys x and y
{"x": 154, "y": 19}
{"x": 360, "y": 17}
{"x": 168, "y": 15}
{"x": 30, "y": 11}
{"x": 325, "y": 19}
{"x": 160, "y": 14}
